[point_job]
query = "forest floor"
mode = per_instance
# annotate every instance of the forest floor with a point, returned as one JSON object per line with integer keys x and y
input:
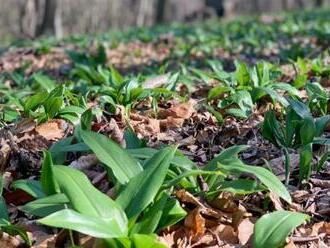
{"x": 211, "y": 135}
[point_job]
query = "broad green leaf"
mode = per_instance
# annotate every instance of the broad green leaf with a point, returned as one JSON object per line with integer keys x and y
{"x": 48, "y": 182}
{"x": 3, "y": 209}
{"x": 122, "y": 164}
{"x": 305, "y": 162}
{"x": 146, "y": 241}
{"x": 242, "y": 74}
{"x": 90, "y": 225}
{"x": 141, "y": 189}
{"x": 241, "y": 186}
{"x": 44, "y": 81}
{"x": 300, "y": 108}
{"x": 151, "y": 217}
{"x": 265, "y": 176}
{"x": 33, "y": 102}
{"x": 87, "y": 200}
{"x": 46, "y": 205}
{"x": 31, "y": 187}
{"x": 56, "y": 150}
{"x": 178, "y": 160}
{"x": 172, "y": 213}
{"x": 272, "y": 229}
{"x": 226, "y": 156}
{"x": 307, "y": 131}
{"x": 320, "y": 124}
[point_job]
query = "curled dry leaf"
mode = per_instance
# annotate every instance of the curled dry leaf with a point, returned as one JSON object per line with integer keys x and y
{"x": 145, "y": 126}
{"x": 116, "y": 133}
{"x": 195, "y": 222}
{"x": 52, "y": 130}
{"x": 276, "y": 201}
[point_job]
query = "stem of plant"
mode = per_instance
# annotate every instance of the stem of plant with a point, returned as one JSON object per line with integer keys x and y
{"x": 287, "y": 166}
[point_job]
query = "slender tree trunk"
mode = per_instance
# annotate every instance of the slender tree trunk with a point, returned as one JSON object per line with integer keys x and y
{"x": 48, "y": 23}
{"x": 142, "y": 13}
{"x": 160, "y": 10}
{"x": 318, "y": 3}
{"x": 58, "y": 25}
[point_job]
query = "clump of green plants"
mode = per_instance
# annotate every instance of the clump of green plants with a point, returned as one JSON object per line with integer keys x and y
{"x": 299, "y": 131}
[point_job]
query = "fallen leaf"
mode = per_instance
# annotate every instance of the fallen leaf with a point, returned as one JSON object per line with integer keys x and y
{"x": 52, "y": 130}
{"x": 181, "y": 110}
{"x": 84, "y": 162}
{"x": 195, "y": 222}
{"x": 245, "y": 231}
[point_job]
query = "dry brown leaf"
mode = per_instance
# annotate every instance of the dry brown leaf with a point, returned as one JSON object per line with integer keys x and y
{"x": 52, "y": 130}
{"x": 276, "y": 201}
{"x": 116, "y": 133}
{"x": 227, "y": 233}
{"x": 85, "y": 162}
{"x": 290, "y": 245}
{"x": 245, "y": 231}
{"x": 145, "y": 126}
{"x": 171, "y": 122}
{"x": 43, "y": 240}
{"x": 225, "y": 202}
{"x": 187, "y": 197}
{"x": 181, "y": 110}
{"x": 195, "y": 222}
{"x": 9, "y": 241}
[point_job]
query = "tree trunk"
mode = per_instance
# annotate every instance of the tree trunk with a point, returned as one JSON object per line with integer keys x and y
{"x": 318, "y": 3}
{"x": 48, "y": 21}
{"x": 160, "y": 10}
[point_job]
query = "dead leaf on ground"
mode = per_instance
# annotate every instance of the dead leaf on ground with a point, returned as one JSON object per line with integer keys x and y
{"x": 195, "y": 222}
{"x": 52, "y": 130}
{"x": 245, "y": 231}
{"x": 84, "y": 162}
{"x": 181, "y": 110}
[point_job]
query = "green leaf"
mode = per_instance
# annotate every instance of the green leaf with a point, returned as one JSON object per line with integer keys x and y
{"x": 300, "y": 108}
{"x": 93, "y": 226}
{"x": 53, "y": 105}
{"x": 31, "y": 187}
{"x": 217, "y": 91}
{"x": 242, "y": 74}
{"x": 3, "y": 209}
{"x": 86, "y": 119}
{"x": 44, "y": 81}
{"x": 46, "y": 205}
{"x": 33, "y": 102}
{"x": 178, "y": 160}
{"x": 87, "y": 200}
{"x": 226, "y": 156}
{"x": 142, "y": 189}
{"x": 146, "y": 241}
{"x": 241, "y": 186}
{"x": 123, "y": 166}
{"x": 307, "y": 131}
{"x": 172, "y": 213}
{"x": 149, "y": 222}
{"x": 48, "y": 182}
{"x": 305, "y": 162}
{"x": 272, "y": 229}
{"x": 320, "y": 124}
{"x": 265, "y": 176}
